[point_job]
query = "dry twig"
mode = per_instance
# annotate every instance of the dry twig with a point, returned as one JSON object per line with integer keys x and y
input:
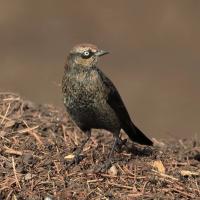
{"x": 15, "y": 173}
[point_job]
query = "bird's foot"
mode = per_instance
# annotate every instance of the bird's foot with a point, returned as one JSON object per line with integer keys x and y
{"x": 103, "y": 167}
{"x": 119, "y": 145}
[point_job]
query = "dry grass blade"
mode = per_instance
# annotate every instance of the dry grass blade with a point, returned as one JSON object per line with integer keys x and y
{"x": 5, "y": 115}
{"x": 27, "y": 130}
{"x": 184, "y": 193}
{"x": 121, "y": 186}
{"x": 9, "y": 194}
{"x": 12, "y": 151}
{"x": 32, "y": 133}
{"x": 165, "y": 175}
{"x": 95, "y": 180}
{"x": 15, "y": 173}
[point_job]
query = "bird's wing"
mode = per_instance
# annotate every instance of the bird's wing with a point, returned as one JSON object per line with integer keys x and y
{"x": 115, "y": 101}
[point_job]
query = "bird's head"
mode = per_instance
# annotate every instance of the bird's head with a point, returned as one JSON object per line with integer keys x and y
{"x": 85, "y": 55}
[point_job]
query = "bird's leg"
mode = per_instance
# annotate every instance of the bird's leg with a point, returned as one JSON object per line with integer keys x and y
{"x": 120, "y": 143}
{"x": 83, "y": 143}
{"x": 116, "y": 141}
{"x": 107, "y": 164}
{"x": 77, "y": 157}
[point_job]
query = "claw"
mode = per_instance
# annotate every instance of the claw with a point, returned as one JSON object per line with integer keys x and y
{"x": 119, "y": 144}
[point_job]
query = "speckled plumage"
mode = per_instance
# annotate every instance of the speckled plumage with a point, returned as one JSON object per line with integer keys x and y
{"x": 85, "y": 98}
{"x": 92, "y": 100}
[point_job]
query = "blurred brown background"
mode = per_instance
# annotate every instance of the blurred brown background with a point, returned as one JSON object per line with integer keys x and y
{"x": 154, "y": 60}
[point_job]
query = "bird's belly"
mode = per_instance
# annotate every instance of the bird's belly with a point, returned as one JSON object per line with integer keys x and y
{"x": 96, "y": 114}
{"x": 85, "y": 101}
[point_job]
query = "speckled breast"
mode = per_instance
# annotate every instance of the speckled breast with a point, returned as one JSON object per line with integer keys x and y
{"x": 83, "y": 96}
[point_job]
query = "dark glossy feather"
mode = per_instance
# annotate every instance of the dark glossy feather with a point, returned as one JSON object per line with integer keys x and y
{"x": 115, "y": 101}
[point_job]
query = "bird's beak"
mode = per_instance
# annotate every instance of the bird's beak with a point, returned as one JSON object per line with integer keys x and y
{"x": 101, "y": 53}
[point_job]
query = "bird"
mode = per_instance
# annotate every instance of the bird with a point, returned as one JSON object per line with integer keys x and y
{"x": 92, "y": 101}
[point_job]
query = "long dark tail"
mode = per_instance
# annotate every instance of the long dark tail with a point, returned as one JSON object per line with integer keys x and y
{"x": 137, "y": 135}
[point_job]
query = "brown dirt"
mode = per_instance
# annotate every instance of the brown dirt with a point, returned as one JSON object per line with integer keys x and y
{"x": 34, "y": 140}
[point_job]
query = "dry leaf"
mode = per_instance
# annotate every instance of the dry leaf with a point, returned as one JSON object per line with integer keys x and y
{"x": 69, "y": 157}
{"x": 29, "y": 176}
{"x": 47, "y": 198}
{"x": 113, "y": 171}
{"x": 158, "y": 165}
{"x": 189, "y": 173}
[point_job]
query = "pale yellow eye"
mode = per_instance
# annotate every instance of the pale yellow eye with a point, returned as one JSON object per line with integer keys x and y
{"x": 86, "y": 53}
